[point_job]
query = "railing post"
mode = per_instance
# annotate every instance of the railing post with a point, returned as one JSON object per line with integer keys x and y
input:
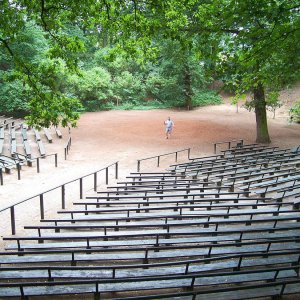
{"x": 158, "y": 158}
{"x": 55, "y": 155}
{"x": 38, "y": 164}
{"x": 12, "y": 220}
{"x": 80, "y": 188}
{"x": 1, "y": 176}
{"x": 19, "y": 171}
{"x": 138, "y": 165}
{"x": 176, "y": 154}
{"x": 95, "y": 181}
{"x": 42, "y": 206}
{"x": 215, "y": 148}
{"x": 189, "y": 153}
{"x": 117, "y": 170}
{"x": 66, "y": 153}
{"x": 63, "y": 197}
{"x": 106, "y": 175}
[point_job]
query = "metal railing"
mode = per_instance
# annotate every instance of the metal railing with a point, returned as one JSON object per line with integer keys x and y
{"x": 29, "y": 161}
{"x": 62, "y": 187}
{"x": 68, "y": 147}
{"x": 159, "y": 156}
{"x": 238, "y": 142}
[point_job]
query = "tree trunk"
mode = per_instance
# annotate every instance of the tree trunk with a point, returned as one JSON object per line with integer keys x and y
{"x": 187, "y": 87}
{"x": 262, "y": 134}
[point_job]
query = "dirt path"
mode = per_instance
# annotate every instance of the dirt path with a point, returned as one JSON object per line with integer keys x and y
{"x": 125, "y": 136}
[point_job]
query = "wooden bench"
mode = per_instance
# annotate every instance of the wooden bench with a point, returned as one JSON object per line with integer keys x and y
{"x": 209, "y": 246}
{"x": 158, "y": 182}
{"x": 164, "y": 190}
{"x": 199, "y": 164}
{"x": 216, "y": 194}
{"x": 48, "y": 135}
{"x": 2, "y": 133}
{"x": 235, "y": 266}
{"x": 207, "y": 168}
{"x": 231, "y": 176}
{"x": 147, "y": 256}
{"x": 260, "y": 177}
{"x": 24, "y": 159}
{"x": 206, "y": 203}
{"x": 229, "y": 263}
{"x": 203, "y": 227}
{"x": 13, "y": 147}
{"x": 285, "y": 193}
{"x": 258, "y": 283}
{"x": 177, "y": 211}
{"x": 6, "y": 166}
{"x": 273, "y": 185}
{"x": 9, "y": 163}
{"x": 177, "y": 205}
{"x": 58, "y": 133}
{"x": 126, "y": 186}
{"x": 24, "y": 132}
{"x": 196, "y": 245}
{"x": 27, "y": 148}
{"x": 37, "y": 134}
{"x": 249, "y": 150}
{"x": 144, "y": 220}
{"x": 1, "y": 145}
{"x": 262, "y": 153}
{"x": 41, "y": 148}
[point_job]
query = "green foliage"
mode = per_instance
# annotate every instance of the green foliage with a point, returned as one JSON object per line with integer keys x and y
{"x": 272, "y": 101}
{"x": 13, "y": 97}
{"x": 236, "y": 99}
{"x": 91, "y": 86}
{"x": 206, "y": 97}
{"x": 295, "y": 113}
{"x": 128, "y": 87}
{"x": 33, "y": 78}
{"x": 252, "y": 45}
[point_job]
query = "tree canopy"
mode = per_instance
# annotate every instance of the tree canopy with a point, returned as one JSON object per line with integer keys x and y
{"x": 253, "y": 46}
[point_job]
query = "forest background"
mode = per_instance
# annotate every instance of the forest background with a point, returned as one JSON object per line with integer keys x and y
{"x": 105, "y": 80}
{"x": 58, "y": 58}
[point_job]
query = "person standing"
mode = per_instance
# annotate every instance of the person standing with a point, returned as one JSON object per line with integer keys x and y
{"x": 169, "y": 127}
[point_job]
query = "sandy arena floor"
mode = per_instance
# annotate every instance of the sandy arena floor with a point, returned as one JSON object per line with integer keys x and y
{"x": 125, "y": 136}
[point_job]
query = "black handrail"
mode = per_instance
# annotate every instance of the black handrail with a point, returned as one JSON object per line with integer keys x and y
{"x": 158, "y": 157}
{"x": 238, "y": 141}
{"x": 62, "y": 187}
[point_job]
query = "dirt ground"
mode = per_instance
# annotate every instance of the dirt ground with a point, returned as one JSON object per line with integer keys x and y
{"x": 103, "y": 138}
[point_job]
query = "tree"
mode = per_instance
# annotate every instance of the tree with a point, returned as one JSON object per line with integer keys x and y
{"x": 255, "y": 42}
{"x": 257, "y": 46}
{"x": 35, "y": 58}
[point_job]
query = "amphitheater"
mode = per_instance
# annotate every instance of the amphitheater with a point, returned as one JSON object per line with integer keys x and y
{"x": 127, "y": 214}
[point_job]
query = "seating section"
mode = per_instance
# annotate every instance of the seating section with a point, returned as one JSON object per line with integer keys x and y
{"x": 219, "y": 227}
{"x": 20, "y": 144}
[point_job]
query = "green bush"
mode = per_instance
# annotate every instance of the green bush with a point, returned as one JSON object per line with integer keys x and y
{"x": 128, "y": 87}
{"x": 295, "y": 113}
{"x": 92, "y": 87}
{"x": 203, "y": 98}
